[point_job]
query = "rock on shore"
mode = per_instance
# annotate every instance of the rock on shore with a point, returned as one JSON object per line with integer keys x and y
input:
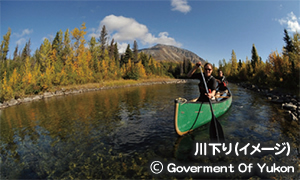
{"x": 287, "y": 101}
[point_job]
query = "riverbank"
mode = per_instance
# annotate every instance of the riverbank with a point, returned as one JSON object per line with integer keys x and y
{"x": 76, "y": 89}
{"x": 288, "y": 101}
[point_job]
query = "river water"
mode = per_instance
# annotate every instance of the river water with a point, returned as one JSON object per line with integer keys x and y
{"x": 118, "y": 133}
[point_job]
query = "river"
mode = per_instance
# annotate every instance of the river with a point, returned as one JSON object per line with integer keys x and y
{"x": 118, "y": 133}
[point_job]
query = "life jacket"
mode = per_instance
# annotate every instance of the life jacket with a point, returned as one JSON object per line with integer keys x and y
{"x": 223, "y": 81}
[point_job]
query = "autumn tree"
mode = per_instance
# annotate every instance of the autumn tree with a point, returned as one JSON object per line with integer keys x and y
{"x": 82, "y": 57}
{"x": 26, "y": 74}
{"x": 234, "y": 64}
{"x": 242, "y": 73}
{"x": 44, "y": 52}
{"x": 280, "y": 66}
{"x": 15, "y": 81}
{"x": 6, "y": 92}
{"x": 4, "y": 45}
{"x": 78, "y": 35}
{"x": 66, "y": 51}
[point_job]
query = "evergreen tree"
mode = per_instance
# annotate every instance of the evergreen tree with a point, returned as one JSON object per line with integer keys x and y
{"x": 111, "y": 50}
{"x": 187, "y": 65}
{"x": 126, "y": 56}
{"x": 255, "y": 58}
{"x": 103, "y": 40}
{"x": 26, "y": 51}
{"x": 249, "y": 68}
{"x": 36, "y": 57}
{"x": 220, "y": 64}
{"x": 289, "y": 45}
{"x": 16, "y": 53}
{"x": 116, "y": 55}
{"x": 57, "y": 43}
{"x": 93, "y": 50}
{"x": 240, "y": 65}
{"x": 57, "y": 46}
{"x": 135, "y": 52}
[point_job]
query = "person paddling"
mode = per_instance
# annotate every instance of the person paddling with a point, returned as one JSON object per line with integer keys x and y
{"x": 222, "y": 82}
{"x": 210, "y": 81}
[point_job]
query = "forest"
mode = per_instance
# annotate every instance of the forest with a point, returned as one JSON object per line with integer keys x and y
{"x": 69, "y": 59}
{"x": 281, "y": 70}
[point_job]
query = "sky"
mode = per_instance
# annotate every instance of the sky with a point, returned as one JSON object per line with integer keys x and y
{"x": 210, "y": 29}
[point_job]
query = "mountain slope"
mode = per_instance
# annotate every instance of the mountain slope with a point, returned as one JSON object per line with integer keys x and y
{"x": 171, "y": 53}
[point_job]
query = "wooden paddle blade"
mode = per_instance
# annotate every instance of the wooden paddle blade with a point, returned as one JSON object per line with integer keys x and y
{"x": 216, "y": 131}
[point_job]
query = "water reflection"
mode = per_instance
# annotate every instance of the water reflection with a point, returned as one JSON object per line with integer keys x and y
{"x": 116, "y": 133}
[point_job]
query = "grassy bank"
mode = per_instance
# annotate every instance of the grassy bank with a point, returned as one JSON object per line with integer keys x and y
{"x": 111, "y": 83}
{"x": 75, "y": 89}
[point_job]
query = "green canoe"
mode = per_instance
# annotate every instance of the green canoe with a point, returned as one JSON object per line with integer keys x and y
{"x": 190, "y": 115}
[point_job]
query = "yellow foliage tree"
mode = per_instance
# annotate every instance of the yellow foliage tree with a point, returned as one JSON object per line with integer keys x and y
{"x": 27, "y": 76}
{"x": 141, "y": 70}
{"x": 6, "y": 92}
{"x": 280, "y": 65}
{"x": 14, "y": 80}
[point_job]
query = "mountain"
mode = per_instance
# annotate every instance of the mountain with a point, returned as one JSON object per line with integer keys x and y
{"x": 171, "y": 53}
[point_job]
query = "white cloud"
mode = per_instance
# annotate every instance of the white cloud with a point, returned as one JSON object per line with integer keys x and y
{"x": 162, "y": 39}
{"x": 122, "y": 47}
{"x": 291, "y": 21}
{"x": 24, "y": 32}
{"x": 180, "y": 5}
{"x": 93, "y": 33}
{"x": 50, "y": 38}
{"x": 124, "y": 30}
{"x": 21, "y": 41}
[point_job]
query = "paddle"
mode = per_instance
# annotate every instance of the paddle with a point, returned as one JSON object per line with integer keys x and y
{"x": 215, "y": 128}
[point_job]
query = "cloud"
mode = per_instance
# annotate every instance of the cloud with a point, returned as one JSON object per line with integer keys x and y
{"x": 181, "y": 6}
{"x": 124, "y": 30}
{"x": 24, "y": 32}
{"x": 291, "y": 21}
{"x": 93, "y": 33}
{"x": 122, "y": 47}
{"x": 21, "y": 41}
{"x": 22, "y": 36}
{"x": 50, "y": 37}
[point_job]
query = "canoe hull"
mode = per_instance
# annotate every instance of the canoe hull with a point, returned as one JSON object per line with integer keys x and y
{"x": 191, "y": 115}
